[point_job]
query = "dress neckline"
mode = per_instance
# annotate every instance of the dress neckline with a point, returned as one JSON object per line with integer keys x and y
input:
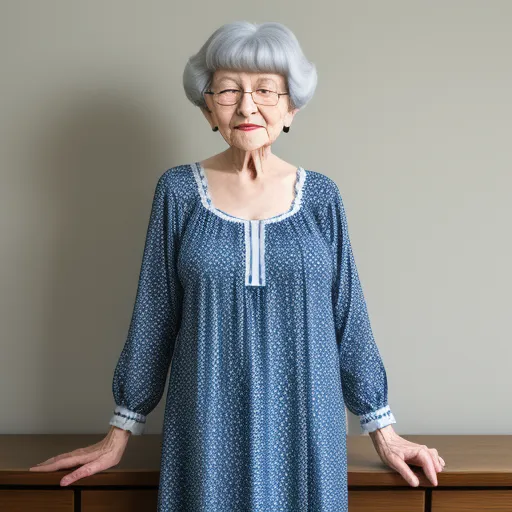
{"x": 206, "y": 200}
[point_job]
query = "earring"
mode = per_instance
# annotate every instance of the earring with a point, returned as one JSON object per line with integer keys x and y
{"x": 286, "y": 129}
{"x": 215, "y": 129}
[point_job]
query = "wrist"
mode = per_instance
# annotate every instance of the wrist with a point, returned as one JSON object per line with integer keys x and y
{"x": 386, "y": 432}
{"x": 121, "y": 432}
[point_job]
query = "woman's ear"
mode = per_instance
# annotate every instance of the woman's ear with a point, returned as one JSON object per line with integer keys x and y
{"x": 209, "y": 116}
{"x": 288, "y": 118}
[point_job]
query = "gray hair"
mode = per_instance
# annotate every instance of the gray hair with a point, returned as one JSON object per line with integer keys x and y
{"x": 266, "y": 47}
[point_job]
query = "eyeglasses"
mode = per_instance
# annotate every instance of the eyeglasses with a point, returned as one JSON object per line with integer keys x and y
{"x": 259, "y": 96}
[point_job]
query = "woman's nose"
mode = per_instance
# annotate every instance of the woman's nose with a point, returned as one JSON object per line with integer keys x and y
{"x": 246, "y": 105}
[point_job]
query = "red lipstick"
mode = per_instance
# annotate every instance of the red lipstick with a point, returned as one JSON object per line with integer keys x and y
{"x": 248, "y": 126}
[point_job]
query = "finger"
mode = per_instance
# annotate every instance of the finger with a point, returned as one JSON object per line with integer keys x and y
{"x": 66, "y": 461}
{"x": 442, "y": 461}
{"x": 425, "y": 457}
{"x": 51, "y": 460}
{"x": 54, "y": 466}
{"x": 47, "y": 461}
{"x": 46, "y": 465}
{"x": 84, "y": 471}
{"x": 407, "y": 473}
{"x": 78, "y": 452}
{"x": 435, "y": 458}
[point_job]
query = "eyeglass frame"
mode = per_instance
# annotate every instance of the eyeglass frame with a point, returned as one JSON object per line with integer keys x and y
{"x": 279, "y": 94}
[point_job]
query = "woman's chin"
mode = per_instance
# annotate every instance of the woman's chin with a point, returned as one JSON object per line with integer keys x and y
{"x": 249, "y": 145}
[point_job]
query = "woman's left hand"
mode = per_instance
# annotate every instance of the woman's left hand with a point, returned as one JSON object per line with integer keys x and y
{"x": 397, "y": 453}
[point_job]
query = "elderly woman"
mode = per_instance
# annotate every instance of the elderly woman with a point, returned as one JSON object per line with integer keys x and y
{"x": 249, "y": 287}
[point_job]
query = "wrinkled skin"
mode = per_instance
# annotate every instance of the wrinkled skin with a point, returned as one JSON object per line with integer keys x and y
{"x": 249, "y": 151}
{"x": 91, "y": 459}
{"x": 397, "y": 453}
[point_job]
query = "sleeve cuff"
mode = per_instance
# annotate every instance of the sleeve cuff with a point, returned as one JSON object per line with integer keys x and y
{"x": 377, "y": 419}
{"x": 128, "y": 420}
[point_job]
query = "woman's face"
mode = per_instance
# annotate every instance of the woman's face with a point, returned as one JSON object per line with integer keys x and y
{"x": 271, "y": 118}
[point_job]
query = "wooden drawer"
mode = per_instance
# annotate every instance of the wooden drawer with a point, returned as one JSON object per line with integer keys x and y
{"x": 36, "y": 501}
{"x": 471, "y": 501}
{"x": 385, "y": 501}
{"x": 119, "y": 500}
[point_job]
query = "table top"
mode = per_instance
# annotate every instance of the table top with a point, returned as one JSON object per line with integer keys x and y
{"x": 471, "y": 460}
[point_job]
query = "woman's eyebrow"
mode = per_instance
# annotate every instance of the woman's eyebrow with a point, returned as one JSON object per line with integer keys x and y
{"x": 259, "y": 83}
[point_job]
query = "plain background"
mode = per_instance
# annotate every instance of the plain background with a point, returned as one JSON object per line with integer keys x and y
{"x": 411, "y": 118}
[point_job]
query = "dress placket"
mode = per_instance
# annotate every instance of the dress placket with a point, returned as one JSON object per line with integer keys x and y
{"x": 254, "y": 229}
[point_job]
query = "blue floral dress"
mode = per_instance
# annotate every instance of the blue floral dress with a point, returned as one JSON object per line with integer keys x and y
{"x": 266, "y": 331}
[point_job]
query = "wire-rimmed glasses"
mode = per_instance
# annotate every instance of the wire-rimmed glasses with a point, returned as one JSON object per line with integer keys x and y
{"x": 261, "y": 96}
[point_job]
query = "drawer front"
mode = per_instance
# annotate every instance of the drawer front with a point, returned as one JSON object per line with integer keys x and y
{"x": 386, "y": 501}
{"x": 36, "y": 501}
{"x": 471, "y": 501}
{"x": 119, "y": 500}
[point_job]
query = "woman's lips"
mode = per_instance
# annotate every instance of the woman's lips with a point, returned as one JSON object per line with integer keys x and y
{"x": 248, "y": 128}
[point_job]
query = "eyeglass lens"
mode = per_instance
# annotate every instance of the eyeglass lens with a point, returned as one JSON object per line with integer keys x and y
{"x": 264, "y": 93}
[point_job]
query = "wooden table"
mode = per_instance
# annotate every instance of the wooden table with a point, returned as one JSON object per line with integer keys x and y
{"x": 478, "y": 476}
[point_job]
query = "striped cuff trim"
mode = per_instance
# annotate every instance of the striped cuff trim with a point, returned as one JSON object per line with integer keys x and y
{"x": 128, "y": 420}
{"x": 376, "y": 419}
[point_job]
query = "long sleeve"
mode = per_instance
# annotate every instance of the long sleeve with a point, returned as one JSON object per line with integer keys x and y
{"x": 141, "y": 371}
{"x": 363, "y": 376}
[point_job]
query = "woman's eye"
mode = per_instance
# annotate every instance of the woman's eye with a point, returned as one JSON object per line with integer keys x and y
{"x": 263, "y": 91}
{"x": 229, "y": 90}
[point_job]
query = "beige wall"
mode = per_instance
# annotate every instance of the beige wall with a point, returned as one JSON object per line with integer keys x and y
{"x": 411, "y": 118}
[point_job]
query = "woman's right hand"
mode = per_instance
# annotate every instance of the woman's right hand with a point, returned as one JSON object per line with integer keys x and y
{"x": 95, "y": 458}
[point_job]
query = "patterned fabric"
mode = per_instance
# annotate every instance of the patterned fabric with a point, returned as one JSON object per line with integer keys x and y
{"x": 266, "y": 331}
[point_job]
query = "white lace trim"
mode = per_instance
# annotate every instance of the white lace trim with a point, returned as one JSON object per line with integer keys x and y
{"x": 202, "y": 186}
